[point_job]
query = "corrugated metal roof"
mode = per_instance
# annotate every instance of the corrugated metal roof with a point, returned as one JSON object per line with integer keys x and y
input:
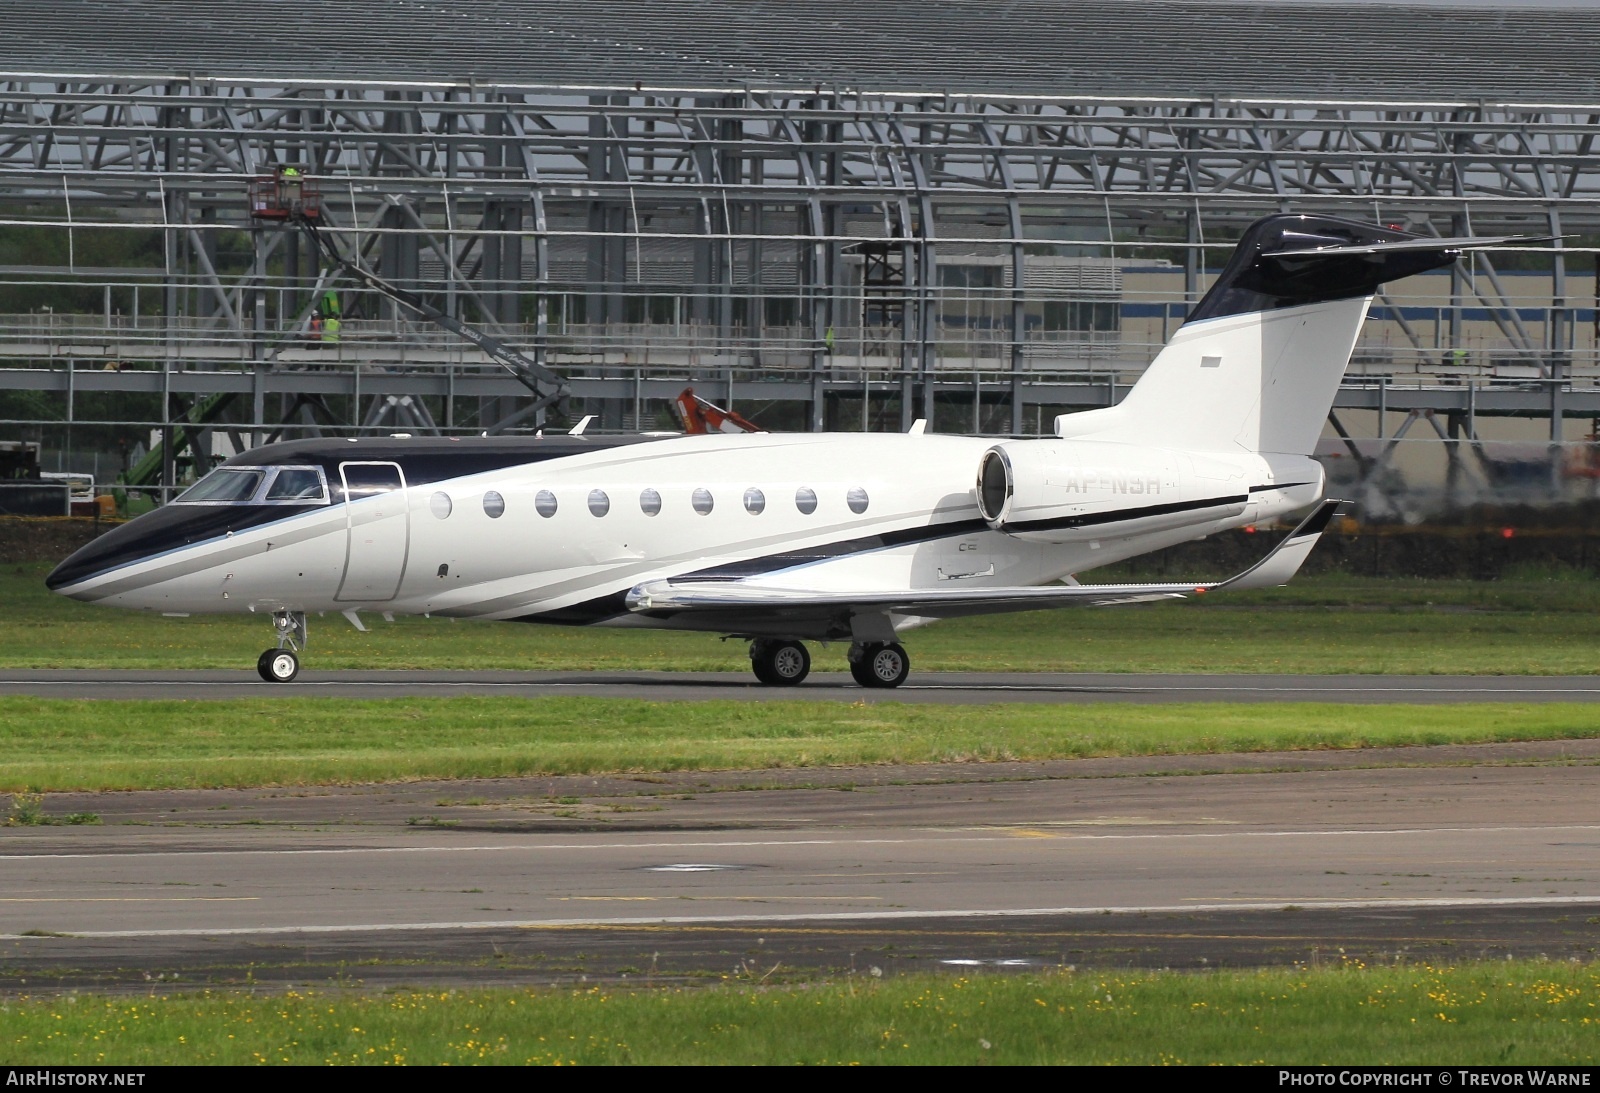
{"x": 1112, "y": 48}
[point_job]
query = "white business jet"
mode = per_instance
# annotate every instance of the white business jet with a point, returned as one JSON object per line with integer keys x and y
{"x": 781, "y": 539}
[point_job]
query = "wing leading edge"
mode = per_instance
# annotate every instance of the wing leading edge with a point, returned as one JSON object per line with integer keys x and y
{"x": 753, "y": 601}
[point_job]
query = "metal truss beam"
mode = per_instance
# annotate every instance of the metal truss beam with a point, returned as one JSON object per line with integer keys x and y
{"x": 636, "y": 237}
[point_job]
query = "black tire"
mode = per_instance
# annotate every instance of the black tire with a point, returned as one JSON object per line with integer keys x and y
{"x": 278, "y": 665}
{"x": 791, "y": 663}
{"x": 780, "y": 663}
{"x": 758, "y": 662}
{"x": 881, "y": 665}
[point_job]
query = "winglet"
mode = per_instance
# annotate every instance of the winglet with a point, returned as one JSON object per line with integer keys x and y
{"x": 1287, "y": 557}
{"x": 577, "y": 430}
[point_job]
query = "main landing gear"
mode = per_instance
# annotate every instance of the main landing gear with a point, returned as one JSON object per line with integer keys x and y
{"x": 281, "y": 664}
{"x": 879, "y": 664}
{"x": 782, "y": 663}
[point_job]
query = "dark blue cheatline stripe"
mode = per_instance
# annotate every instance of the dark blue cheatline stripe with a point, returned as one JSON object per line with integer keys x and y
{"x": 615, "y": 603}
{"x": 166, "y": 529}
{"x": 586, "y": 613}
{"x": 424, "y": 460}
{"x": 789, "y": 559}
{"x": 1096, "y": 519}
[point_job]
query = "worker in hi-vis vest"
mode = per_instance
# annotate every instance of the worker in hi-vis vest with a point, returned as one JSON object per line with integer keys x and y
{"x": 289, "y": 187}
{"x": 330, "y": 316}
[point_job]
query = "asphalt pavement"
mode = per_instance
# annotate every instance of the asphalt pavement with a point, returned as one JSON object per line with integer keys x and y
{"x": 949, "y": 688}
{"x": 1488, "y": 850}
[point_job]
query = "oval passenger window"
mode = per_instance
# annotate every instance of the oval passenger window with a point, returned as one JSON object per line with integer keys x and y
{"x": 856, "y": 499}
{"x": 754, "y": 501}
{"x": 702, "y": 501}
{"x": 650, "y": 502}
{"x": 805, "y": 499}
{"x": 494, "y": 505}
{"x": 544, "y": 503}
{"x": 440, "y": 504}
{"x": 599, "y": 503}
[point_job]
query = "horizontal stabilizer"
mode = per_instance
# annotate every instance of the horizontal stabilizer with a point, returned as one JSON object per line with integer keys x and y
{"x": 753, "y": 601}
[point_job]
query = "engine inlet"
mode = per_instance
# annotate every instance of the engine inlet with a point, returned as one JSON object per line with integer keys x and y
{"x": 994, "y": 484}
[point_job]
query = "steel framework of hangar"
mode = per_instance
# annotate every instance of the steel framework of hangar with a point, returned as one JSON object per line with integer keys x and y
{"x": 870, "y": 256}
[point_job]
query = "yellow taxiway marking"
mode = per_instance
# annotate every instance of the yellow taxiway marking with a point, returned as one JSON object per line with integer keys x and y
{"x": 1032, "y": 833}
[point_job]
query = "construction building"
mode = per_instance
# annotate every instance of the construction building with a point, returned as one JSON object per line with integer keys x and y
{"x": 827, "y": 215}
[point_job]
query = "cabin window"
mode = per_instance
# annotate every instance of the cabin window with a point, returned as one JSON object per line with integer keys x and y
{"x": 754, "y": 501}
{"x": 599, "y": 503}
{"x": 494, "y": 506}
{"x": 856, "y": 499}
{"x": 702, "y": 501}
{"x": 805, "y": 499}
{"x": 544, "y": 503}
{"x": 439, "y": 504}
{"x": 650, "y": 502}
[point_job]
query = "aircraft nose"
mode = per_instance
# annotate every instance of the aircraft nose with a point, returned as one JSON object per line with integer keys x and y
{"x": 168, "y": 528}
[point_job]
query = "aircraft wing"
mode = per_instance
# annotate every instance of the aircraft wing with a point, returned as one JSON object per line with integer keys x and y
{"x": 1425, "y": 243}
{"x": 746, "y": 600}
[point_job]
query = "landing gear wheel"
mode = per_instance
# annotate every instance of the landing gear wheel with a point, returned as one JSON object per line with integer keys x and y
{"x": 880, "y": 665}
{"x": 780, "y": 663}
{"x": 278, "y": 665}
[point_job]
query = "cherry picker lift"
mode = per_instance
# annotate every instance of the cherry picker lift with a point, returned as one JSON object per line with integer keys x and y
{"x": 289, "y": 198}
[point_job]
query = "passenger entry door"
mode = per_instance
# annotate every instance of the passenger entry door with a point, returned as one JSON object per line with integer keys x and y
{"x": 378, "y": 531}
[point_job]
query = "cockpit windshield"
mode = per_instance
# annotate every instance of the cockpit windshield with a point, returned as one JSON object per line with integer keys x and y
{"x": 223, "y": 486}
{"x": 302, "y": 484}
{"x": 259, "y": 486}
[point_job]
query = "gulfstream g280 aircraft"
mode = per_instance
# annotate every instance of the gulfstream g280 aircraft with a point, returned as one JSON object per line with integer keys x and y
{"x": 784, "y": 538}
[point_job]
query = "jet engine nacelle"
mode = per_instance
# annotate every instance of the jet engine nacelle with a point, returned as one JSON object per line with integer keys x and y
{"x": 1063, "y": 491}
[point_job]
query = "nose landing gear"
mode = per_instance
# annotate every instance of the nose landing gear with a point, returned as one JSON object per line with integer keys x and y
{"x": 779, "y": 663}
{"x": 281, "y": 664}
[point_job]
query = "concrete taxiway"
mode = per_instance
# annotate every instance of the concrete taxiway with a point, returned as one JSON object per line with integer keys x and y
{"x": 1210, "y": 860}
{"x": 935, "y": 687}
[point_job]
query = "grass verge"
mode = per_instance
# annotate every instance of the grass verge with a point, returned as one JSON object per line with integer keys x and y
{"x": 63, "y": 744}
{"x": 1522, "y": 1013}
{"x": 1327, "y": 624}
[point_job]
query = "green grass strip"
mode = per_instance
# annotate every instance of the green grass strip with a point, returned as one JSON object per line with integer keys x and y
{"x": 1509, "y": 1013}
{"x": 1316, "y": 625}
{"x": 64, "y": 744}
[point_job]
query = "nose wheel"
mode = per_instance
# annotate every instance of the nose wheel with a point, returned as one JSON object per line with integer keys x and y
{"x": 779, "y": 663}
{"x": 278, "y": 665}
{"x": 879, "y": 664}
{"x": 282, "y": 663}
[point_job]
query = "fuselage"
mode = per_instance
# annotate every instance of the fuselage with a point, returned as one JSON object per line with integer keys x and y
{"x": 558, "y": 529}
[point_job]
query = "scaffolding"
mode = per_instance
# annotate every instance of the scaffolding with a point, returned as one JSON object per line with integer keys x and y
{"x": 827, "y": 257}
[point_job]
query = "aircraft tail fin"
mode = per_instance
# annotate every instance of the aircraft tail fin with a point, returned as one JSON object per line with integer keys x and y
{"x": 1256, "y": 366}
